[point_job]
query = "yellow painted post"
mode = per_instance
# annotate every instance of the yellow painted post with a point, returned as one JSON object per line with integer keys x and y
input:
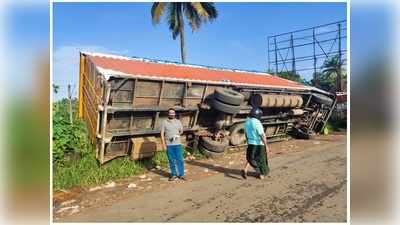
{"x": 81, "y": 74}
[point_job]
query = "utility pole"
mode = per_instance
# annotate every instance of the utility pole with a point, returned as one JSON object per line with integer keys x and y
{"x": 269, "y": 65}
{"x": 316, "y": 78}
{"x": 70, "y": 104}
{"x": 293, "y": 57}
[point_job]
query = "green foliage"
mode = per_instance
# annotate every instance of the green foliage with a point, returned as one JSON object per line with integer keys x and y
{"x": 87, "y": 172}
{"x": 73, "y": 138}
{"x": 56, "y": 88}
{"x": 160, "y": 159}
{"x": 26, "y": 155}
{"x": 327, "y": 82}
{"x": 195, "y": 13}
{"x": 195, "y": 152}
{"x": 332, "y": 126}
{"x": 294, "y": 77}
{"x": 332, "y": 67}
{"x": 67, "y": 137}
{"x": 328, "y": 129}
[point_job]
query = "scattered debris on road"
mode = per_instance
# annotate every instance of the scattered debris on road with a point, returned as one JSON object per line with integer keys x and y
{"x": 131, "y": 185}
{"x": 68, "y": 202}
{"x": 75, "y": 207}
{"x": 110, "y": 184}
{"x": 95, "y": 188}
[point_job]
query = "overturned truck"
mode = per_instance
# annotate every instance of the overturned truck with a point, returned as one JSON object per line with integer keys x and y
{"x": 124, "y": 100}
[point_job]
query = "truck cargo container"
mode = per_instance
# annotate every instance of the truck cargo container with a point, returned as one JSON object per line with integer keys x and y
{"x": 123, "y": 100}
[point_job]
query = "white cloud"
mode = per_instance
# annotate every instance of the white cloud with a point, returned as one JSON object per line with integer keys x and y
{"x": 66, "y": 66}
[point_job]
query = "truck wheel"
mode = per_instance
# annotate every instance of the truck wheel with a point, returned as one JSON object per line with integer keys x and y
{"x": 226, "y": 108}
{"x": 321, "y": 99}
{"x": 210, "y": 154}
{"x": 238, "y": 136}
{"x": 255, "y": 100}
{"x": 246, "y": 95}
{"x": 300, "y": 134}
{"x": 214, "y": 146}
{"x": 228, "y": 96}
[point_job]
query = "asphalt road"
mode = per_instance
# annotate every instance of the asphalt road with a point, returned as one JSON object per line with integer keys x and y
{"x": 307, "y": 183}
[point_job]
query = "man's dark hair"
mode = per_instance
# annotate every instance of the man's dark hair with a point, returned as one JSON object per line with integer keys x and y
{"x": 171, "y": 109}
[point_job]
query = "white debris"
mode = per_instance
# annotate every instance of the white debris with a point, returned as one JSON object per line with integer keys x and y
{"x": 158, "y": 167}
{"x": 76, "y": 210}
{"x": 316, "y": 142}
{"x": 206, "y": 170}
{"x": 95, "y": 188}
{"x": 148, "y": 179}
{"x": 231, "y": 163}
{"x": 68, "y": 208}
{"x": 142, "y": 176}
{"x": 68, "y": 202}
{"x": 131, "y": 185}
{"x": 110, "y": 184}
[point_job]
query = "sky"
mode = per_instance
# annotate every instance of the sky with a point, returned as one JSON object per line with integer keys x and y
{"x": 236, "y": 39}
{"x": 27, "y": 29}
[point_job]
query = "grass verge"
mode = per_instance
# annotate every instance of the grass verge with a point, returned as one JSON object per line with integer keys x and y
{"x": 87, "y": 172}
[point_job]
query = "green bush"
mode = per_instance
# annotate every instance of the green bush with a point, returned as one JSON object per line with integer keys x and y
{"x": 86, "y": 172}
{"x": 332, "y": 126}
{"x": 67, "y": 137}
{"x": 160, "y": 159}
{"x": 73, "y": 139}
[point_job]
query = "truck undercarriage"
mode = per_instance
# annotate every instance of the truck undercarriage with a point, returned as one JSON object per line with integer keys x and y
{"x": 124, "y": 112}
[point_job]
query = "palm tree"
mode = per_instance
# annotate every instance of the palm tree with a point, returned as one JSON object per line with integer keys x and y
{"x": 334, "y": 66}
{"x": 196, "y": 13}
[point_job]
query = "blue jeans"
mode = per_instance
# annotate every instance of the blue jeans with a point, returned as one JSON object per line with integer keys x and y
{"x": 175, "y": 158}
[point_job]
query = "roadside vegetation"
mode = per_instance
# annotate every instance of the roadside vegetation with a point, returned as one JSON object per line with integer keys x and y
{"x": 74, "y": 162}
{"x": 194, "y": 13}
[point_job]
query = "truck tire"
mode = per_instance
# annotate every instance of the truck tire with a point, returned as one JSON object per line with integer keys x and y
{"x": 300, "y": 134}
{"x": 238, "y": 137}
{"x": 210, "y": 154}
{"x": 321, "y": 99}
{"x": 214, "y": 146}
{"x": 255, "y": 100}
{"x": 246, "y": 95}
{"x": 228, "y": 96}
{"x": 226, "y": 108}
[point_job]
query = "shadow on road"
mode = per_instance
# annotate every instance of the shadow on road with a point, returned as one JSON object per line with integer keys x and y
{"x": 232, "y": 173}
{"x": 162, "y": 173}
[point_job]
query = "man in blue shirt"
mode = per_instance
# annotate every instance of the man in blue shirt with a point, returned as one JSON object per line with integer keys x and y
{"x": 257, "y": 148}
